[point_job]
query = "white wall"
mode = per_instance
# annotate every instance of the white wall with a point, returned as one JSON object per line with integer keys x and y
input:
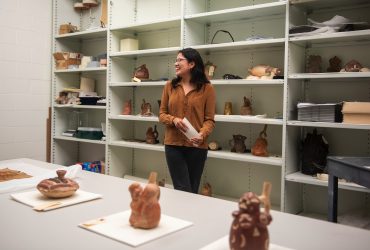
{"x": 25, "y": 77}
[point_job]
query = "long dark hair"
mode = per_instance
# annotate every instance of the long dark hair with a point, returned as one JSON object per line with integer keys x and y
{"x": 198, "y": 76}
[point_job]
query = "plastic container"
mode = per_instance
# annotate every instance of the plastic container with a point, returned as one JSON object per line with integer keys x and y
{"x": 89, "y": 133}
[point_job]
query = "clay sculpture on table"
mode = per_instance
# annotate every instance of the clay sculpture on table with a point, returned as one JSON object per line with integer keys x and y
{"x": 127, "y": 108}
{"x": 335, "y": 64}
{"x": 237, "y": 144}
{"x": 7, "y": 174}
{"x": 228, "y": 110}
{"x": 260, "y": 146}
{"x": 145, "y": 208}
{"x": 249, "y": 228}
{"x": 146, "y": 109}
{"x": 206, "y": 189}
{"x": 58, "y": 187}
{"x": 246, "y": 109}
{"x": 314, "y": 64}
{"x": 263, "y": 72}
{"x": 152, "y": 135}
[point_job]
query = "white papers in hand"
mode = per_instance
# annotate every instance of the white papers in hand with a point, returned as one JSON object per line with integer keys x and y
{"x": 191, "y": 132}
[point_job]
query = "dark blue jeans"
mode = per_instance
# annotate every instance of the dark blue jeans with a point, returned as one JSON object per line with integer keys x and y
{"x": 186, "y": 166}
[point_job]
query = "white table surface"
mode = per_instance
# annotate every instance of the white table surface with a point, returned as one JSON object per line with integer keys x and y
{"x": 23, "y": 228}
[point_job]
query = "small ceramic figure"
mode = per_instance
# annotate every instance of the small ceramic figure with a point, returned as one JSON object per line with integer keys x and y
{"x": 335, "y": 64}
{"x": 127, "y": 108}
{"x": 141, "y": 73}
{"x": 249, "y": 228}
{"x": 146, "y": 109}
{"x": 145, "y": 208}
{"x": 58, "y": 187}
{"x": 228, "y": 110}
{"x": 162, "y": 182}
{"x": 209, "y": 69}
{"x": 152, "y": 135}
{"x": 260, "y": 146}
{"x": 352, "y": 66}
{"x": 246, "y": 109}
{"x": 263, "y": 72}
{"x": 238, "y": 144}
{"x": 206, "y": 189}
{"x": 314, "y": 64}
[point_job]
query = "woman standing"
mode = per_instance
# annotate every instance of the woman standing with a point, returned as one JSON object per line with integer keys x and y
{"x": 189, "y": 95}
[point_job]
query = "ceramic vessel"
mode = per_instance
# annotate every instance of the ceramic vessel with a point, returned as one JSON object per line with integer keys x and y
{"x": 246, "y": 109}
{"x": 260, "y": 146}
{"x": 249, "y": 228}
{"x": 127, "y": 108}
{"x": 152, "y": 135}
{"x": 146, "y": 109}
{"x": 141, "y": 72}
{"x": 209, "y": 69}
{"x": 228, "y": 110}
{"x": 314, "y": 64}
{"x": 58, "y": 187}
{"x": 238, "y": 144}
{"x": 335, "y": 64}
{"x": 263, "y": 72}
{"x": 145, "y": 208}
{"x": 206, "y": 189}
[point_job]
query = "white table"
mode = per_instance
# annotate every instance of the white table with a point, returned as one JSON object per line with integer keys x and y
{"x": 23, "y": 228}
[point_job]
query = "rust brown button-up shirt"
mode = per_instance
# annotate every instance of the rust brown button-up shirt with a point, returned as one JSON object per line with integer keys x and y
{"x": 198, "y": 107}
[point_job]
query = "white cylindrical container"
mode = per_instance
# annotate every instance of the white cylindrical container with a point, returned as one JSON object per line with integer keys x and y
{"x": 129, "y": 44}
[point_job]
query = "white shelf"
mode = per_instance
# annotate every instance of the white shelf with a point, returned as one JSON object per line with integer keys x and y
{"x": 147, "y": 52}
{"x": 329, "y": 125}
{"x": 137, "y": 84}
{"x": 134, "y": 118}
{"x": 307, "y": 179}
{"x": 336, "y": 75}
{"x": 67, "y": 138}
{"x": 138, "y": 145}
{"x": 320, "y": 4}
{"x": 263, "y": 43}
{"x": 353, "y": 36}
{"x": 247, "y": 12}
{"x": 150, "y": 26}
{"x": 80, "y": 106}
{"x": 247, "y": 119}
{"x": 100, "y": 69}
{"x": 247, "y": 82}
{"x": 246, "y": 157}
{"x": 87, "y": 34}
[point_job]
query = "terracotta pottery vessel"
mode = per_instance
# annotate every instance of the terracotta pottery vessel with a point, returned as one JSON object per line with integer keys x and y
{"x": 127, "y": 108}
{"x": 152, "y": 135}
{"x": 246, "y": 109}
{"x": 249, "y": 228}
{"x": 237, "y": 144}
{"x": 146, "y": 109}
{"x": 58, "y": 187}
{"x": 206, "y": 190}
{"x": 260, "y": 146}
{"x": 145, "y": 208}
{"x": 228, "y": 110}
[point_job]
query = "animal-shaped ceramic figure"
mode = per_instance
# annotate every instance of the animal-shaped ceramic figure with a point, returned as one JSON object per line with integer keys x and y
{"x": 141, "y": 73}
{"x": 249, "y": 228}
{"x": 228, "y": 110}
{"x": 260, "y": 146}
{"x": 152, "y": 135}
{"x": 246, "y": 109}
{"x": 206, "y": 189}
{"x": 127, "y": 108}
{"x": 145, "y": 208}
{"x": 263, "y": 72}
{"x": 146, "y": 109}
{"x": 335, "y": 64}
{"x": 237, "y": 144}
{"x": 314, "y": 64}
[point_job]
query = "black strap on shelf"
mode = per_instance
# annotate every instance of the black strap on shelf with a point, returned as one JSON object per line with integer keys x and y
{"x": 225, "y": 31}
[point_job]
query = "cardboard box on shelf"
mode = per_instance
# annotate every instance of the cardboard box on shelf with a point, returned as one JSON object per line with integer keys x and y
{"x": 64, "y": 59}
{"x": 356, "y": 112}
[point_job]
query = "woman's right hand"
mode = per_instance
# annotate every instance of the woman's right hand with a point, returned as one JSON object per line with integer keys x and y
{"x": 180, "y": 125}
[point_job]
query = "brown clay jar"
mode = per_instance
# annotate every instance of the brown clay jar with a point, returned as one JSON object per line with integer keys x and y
{"x": 58, "y": 187}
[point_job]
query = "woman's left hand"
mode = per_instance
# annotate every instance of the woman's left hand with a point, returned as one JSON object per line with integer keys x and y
{"x": 196, "y": 141}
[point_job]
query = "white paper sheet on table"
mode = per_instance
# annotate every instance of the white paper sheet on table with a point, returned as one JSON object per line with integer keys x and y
{"x": 191, "y": 132}
{"x": 223, "y": 244}
{"x": 117, "y": 227}
{"x": 36, "y": 172}
{"x": 35, "y": 198}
